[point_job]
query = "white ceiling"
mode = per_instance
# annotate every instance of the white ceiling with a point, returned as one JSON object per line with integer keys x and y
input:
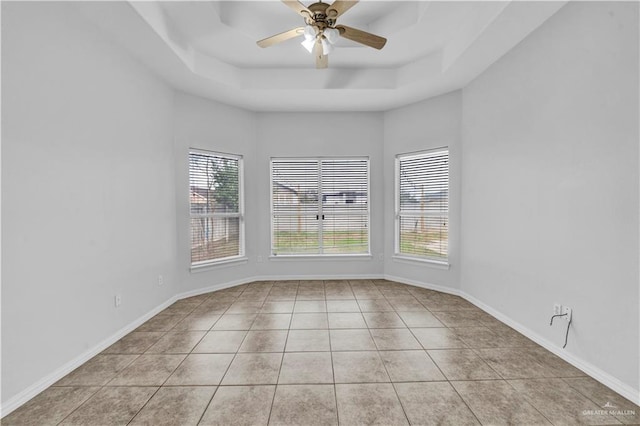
{"x": 208, "y": 48}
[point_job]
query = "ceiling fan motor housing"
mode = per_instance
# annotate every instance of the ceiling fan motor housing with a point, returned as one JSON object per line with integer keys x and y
{"x": 320, "y": 17}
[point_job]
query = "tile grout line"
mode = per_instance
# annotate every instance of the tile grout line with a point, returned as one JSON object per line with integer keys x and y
{"x": 80, "y": 405}
{"x": 589, "y": 398}
{"x": 179, "y": 364}
{"x": 275, "y": 391}
{"x": 385, "y": 367}
{"x": 528, "y": 401}
{"x": 333, "y": 371}
{"x": 228, "y": 366}
{"x": 132, "y": 361}
{"x": 442, "y": 372}
{"x": 235, "y": 354}
{"x": 464, "y": 401}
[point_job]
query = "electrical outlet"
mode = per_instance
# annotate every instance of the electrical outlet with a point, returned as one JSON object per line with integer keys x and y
{"x": 117, "y": 300}
{"x": 160, "y": 280}
{"x": 568, "y": 311}
{"x": 557, "y": 309}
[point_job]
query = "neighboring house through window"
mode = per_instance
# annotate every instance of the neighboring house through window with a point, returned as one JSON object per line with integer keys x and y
{"x": 319, "y": 206}
{"x": 422, "y": 205}
{"x": 216, "y": 207}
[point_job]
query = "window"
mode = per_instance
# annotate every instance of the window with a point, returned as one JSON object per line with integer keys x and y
{"x": 215, "y": 199}
{"x": 320, "y": 206}
{"x": 422, "y": 205}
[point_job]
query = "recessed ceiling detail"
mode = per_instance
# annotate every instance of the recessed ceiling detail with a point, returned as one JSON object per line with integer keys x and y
{"x": 321, "y": 31}
{"x": 209, "y": 49}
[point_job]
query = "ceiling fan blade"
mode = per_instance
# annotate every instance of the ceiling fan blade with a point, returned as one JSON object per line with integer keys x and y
{"x": 279, "y": 38}
{"x": 362, "y": 37}
{"x": 339, "y": 7}
{"x": 322, "y": 60}
{"x": 299, "y": 8}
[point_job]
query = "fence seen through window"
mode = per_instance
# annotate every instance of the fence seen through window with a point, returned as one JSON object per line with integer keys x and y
{"x": 215, "y": 201}
{"x": 320, "y": 206}
{"x": 422, "y": 205}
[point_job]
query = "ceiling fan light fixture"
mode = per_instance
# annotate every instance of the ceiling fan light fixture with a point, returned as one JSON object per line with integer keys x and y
{"x": 309, "y": 33}
{"x": 308, "y": 44}
{"x": 326, "y": 46}
{"x": 331, "y": 34}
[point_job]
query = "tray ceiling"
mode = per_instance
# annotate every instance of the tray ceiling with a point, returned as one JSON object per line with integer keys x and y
{"x": 208, "y": 48}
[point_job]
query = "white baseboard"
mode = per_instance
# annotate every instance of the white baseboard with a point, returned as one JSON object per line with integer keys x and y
{"x": 230, "y": 284}
{"x": 428, "y": 286}
{"x": 319, "y": 277}
{"x": 591, "y": 370}
{"x": 15, "y": 402}
{"x": 215, "y": 287}
{"x": 598, "y": 374}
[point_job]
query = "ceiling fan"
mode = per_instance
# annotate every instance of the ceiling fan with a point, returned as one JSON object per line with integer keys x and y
{"x": 321, "y": 31}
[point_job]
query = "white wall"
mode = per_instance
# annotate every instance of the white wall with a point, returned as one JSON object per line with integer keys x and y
{"x": 208, "y": 125}
{"x": 550, "y": 183}
{"x": 205, "y": 124}
{"x": 429, "y": 124}
{"x": 88, "y": 191}
{"x": 544, "y": 171}
{"x": 319, "y": 134}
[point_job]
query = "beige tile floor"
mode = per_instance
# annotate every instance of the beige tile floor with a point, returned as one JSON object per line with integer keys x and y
{"x": 325, "y": 352}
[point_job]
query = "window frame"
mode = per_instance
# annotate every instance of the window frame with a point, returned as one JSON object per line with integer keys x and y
{"x": 320, "y": 255}
{"x": 399, "y": 214}
{"x": 241, "y": 256}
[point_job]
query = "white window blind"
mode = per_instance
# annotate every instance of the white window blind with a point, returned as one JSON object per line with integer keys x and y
{"x": 422, "y": 205}
{"x": 320, "y": 206}
{"x": 216, "y": 205}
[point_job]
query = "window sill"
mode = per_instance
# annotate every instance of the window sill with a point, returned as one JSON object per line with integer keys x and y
{"x": 203, "y": 267}
{"x": 427, "y": 262}
{"x": 321, "y": 257}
